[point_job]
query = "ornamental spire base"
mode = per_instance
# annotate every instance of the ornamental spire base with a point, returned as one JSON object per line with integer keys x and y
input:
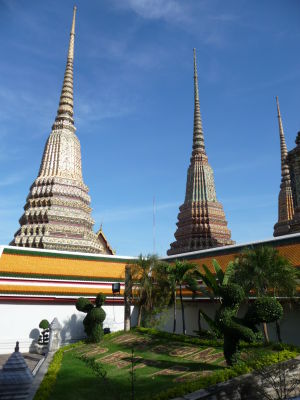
{"x": 201, "y": 219}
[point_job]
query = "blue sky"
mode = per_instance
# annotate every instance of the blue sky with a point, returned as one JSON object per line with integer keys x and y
{"x": 134, "y": 106}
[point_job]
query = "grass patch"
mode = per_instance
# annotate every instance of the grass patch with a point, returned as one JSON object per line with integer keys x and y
{"x": 165, "y": 366}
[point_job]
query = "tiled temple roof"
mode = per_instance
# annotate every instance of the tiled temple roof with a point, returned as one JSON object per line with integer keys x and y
{"x": 43, "y": 275}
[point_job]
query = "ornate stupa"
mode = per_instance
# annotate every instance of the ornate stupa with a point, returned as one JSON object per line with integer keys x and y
{"x": 201, "y": 219}
{"x": 285, "y": 198}
{"x": 293, "y": 159}
{"x": 57, "y": 211}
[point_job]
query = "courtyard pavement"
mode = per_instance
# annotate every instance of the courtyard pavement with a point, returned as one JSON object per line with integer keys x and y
{"x": 31, "y": 359}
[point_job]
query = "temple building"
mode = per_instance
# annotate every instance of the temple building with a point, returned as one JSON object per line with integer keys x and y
{"x": 57, "y": 213}
{"x": 285, "y": 198}
{"x": 201, "y": 219}
{"x": 289, "y": 195}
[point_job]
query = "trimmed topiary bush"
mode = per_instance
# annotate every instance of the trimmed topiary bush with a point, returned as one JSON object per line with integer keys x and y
{"x": 84, "y": 305}
{"x": 93, "y": 322}
{"x": 232, "y": 327}
{"x": 44, "y": 336}
{"x": 232, "y": 294}
{"x": 264, "y": 309}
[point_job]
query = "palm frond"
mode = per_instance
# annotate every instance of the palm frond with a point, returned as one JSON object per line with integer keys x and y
{"x": 210, "y": 280}
{"x": 229, "y": 272}
{"x": 210, "y": 322}
{"x": 218, "y": 270}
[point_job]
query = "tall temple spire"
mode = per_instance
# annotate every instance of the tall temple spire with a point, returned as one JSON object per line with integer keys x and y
{"x": 285, "y": 198}
{"x": 201, "y": 219}
{"x": 283, "y": 148}
{"x": 57, "y": 213}
{"x": 198, "y": 138}
{"x": 66, "y": 103}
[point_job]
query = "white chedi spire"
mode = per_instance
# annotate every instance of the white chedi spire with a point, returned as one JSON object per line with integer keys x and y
{"x": 57, "y": 213}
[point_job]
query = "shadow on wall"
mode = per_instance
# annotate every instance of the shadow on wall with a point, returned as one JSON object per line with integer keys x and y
{"x": 34, "y": 335}
{"x": 72, "y": 330}
{"x": 134, "y": 316}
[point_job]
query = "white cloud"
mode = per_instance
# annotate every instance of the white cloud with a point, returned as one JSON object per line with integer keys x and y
{"x": 156, "y": 9}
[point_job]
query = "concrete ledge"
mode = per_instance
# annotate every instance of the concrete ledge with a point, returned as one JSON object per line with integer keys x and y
{"x": 40, "y": 375}
{"x": 242, "y": 387}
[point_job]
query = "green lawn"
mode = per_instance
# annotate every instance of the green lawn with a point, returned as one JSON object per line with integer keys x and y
{"x": 160, "y": 363}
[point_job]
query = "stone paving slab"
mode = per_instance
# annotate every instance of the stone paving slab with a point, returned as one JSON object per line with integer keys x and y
{"x": 31, "y": 359}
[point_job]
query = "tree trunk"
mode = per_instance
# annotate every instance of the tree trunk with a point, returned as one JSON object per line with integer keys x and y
{"x": 199, "y": 321}
{"x": 278, "y": 331}
{"x": 182, "y": 311}
{"x": 139, "y": 316}
{"x": 266, "y": 335}
{"x": 174, "y": 324}
{"x": 127, "y": 297}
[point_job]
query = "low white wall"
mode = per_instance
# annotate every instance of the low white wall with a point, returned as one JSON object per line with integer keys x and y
{"x": 290, "y": 323}
{"x": 20, "y": 322}
{"x": 191, "y": 317}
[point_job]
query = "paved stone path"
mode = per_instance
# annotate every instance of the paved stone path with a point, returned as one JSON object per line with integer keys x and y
{"x": 31, "y": 359}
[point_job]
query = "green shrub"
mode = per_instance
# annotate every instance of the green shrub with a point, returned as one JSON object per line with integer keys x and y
{"x": 44, "y": 324}
{"x": 232, "y": 294}
{"x": 223, "y": 375}
{"x": 44, "y": 336}
{"x": 264, "y": 309}
{"x": 46, "y": 387}
{"x": 83, "y": 304}
{"x": 203, "y": 382}
{"x": 93, "y": 322}
{"x": 100, "y": 299}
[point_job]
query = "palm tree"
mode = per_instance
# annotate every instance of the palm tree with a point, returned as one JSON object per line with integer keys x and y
{"x": 179, "y": 274}
{"x": 150, "y": 287}
{"x": 141, "y": 274}
{"x": 263, "y": 271}
{"x": 173, "y": 291}
{"x": 211, "y": 288}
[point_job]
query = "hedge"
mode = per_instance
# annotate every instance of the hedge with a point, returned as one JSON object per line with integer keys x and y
{"x": 222, "y": 376}
{"x": 46, "y": 387}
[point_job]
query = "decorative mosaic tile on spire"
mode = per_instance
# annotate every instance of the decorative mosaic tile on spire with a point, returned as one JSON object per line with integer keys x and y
{"x": 285, "y": 198}
{"x": 201, "y": 219}
{"x": 57, "y": 212}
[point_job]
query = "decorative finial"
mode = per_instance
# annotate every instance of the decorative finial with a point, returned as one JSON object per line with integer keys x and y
{"x": 17, "y": 346}
{"x": 198, "y": 138}
{"x": 65, "y": 110}
{"x": 195, "y": 63}
{"x": 72, "y": 34}
{"x": 283, "y": 147}
{"x": 73, "y": 21}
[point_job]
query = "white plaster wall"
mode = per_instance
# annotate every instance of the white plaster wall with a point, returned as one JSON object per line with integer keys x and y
{"x": 21, "y": 322}
{"x": 191, "y": 317}
{"x": 290, "y": 323}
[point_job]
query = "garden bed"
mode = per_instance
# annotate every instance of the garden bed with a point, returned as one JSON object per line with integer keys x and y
{"x": 163, "y": 365}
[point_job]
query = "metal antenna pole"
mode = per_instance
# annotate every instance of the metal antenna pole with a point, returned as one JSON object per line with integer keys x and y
{"x": 154, "y": 227}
